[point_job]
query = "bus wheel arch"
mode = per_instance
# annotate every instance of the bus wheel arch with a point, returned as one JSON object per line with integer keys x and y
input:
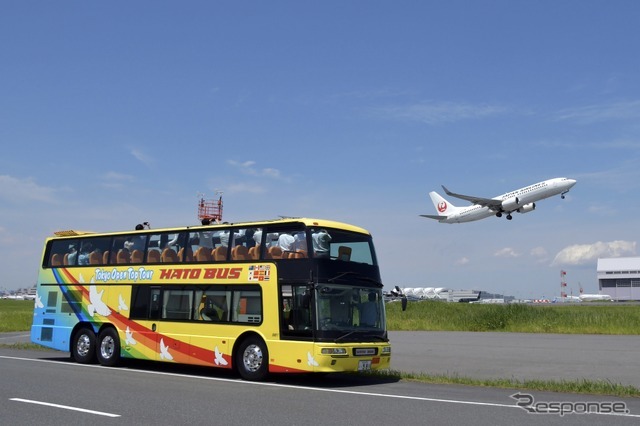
{"x": 108, "y": 346}
{"x": 251, "y": 357}
{"x": 83, "y": 344}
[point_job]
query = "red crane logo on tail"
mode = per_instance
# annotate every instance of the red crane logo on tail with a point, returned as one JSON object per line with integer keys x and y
{"x": 442, "y": 206}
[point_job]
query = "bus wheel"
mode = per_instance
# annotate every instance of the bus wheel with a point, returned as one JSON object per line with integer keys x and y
{"x": 252, "y": 359}
{"x": 108, "y": 349}
{"x": 83, "y": 347}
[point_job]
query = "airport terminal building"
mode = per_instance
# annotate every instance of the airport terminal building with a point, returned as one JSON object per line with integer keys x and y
{"x": 619, "y": 277}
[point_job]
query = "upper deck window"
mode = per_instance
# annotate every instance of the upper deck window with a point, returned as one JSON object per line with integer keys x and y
{"x": 343, "y": 246}
{"x": 290, "y": 241}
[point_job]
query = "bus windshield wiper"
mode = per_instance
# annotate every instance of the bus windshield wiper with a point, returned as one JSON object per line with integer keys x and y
{"x": 344, "y": 336}
{"x": 340, "y": 275}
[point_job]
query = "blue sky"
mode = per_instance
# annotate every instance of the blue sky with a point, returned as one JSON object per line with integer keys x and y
{"x": 114, "y": 113}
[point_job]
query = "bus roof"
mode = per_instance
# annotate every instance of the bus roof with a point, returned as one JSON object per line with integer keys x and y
{"x": 257, "y": 224}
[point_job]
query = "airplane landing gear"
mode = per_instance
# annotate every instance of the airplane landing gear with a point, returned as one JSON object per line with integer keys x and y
{"x": 509, "y": 217}
{"x": 499, "y": 214}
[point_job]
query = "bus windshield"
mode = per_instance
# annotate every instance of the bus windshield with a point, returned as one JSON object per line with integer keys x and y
{"x": 345, "y": 308}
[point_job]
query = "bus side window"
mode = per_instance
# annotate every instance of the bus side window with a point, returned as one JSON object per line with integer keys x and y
{"x": 247, "y": 306}
{"x": 58, "y": 250}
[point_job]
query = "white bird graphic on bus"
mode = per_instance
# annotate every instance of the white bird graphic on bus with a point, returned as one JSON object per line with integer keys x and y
{"x": 97, "y": 305}
{"x": 129, "y": 337}
{"x": 164, "y": 351}
{"x": 311, "y": 361}
{"x": 38, "y": 301}
{"x": 219, "y": 358}
{"x": 122, "y": 306}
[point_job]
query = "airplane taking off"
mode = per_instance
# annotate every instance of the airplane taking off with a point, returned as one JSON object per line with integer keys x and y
{"x": 521, "y": 200}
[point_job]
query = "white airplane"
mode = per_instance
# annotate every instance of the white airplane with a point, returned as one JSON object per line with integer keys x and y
{"x": 594, "y": 297}
{"x": 521, "y": 200}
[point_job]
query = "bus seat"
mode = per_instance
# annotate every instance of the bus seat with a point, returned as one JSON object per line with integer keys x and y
{"x": 56, "y": 260}
{"x": 94, "y": 258}
{"x": 169, "y": 256}
{"x": 344, "y": 253}
{"x": 122, "y": 256}
{"x": 186, "y": 255}
{"x": 136, "y": 256}
{"x": 254, "y": 252}
{"x": 220, "y": 254}
{"x": 298, "y": 254}
{"x": 274, "y": 253}
{"x": 65, "y": 259}
{"x": 209, "y": 312}
{"x": 240, "y": 253}
{"x": 203, "y": 254}
{"x": 105, "y": 257}
{"x": 153, "y": 256}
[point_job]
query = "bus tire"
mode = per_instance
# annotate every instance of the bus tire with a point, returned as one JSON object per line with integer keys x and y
{"x": 252, "y": 359}
{"x": 108, "y": 347}
{"x": 83, "y": 346}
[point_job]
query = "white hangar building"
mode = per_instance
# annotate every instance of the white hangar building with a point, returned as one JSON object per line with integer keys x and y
{"x": 619, "y": 277}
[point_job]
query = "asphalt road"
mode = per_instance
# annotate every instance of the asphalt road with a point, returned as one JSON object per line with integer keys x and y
{"x": 46, "y": 388}
{"x": 520, "y": 356}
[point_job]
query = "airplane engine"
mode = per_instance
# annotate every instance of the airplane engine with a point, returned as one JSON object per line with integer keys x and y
{"x": 510, "y": 204}
{"x": 527, "y": 208}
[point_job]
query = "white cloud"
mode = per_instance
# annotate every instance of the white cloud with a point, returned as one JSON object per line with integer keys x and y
{"x": 506, "y": 252}
{"x": 462, "y": 261}
{"x": 442, "y": 112}
{"x": 248, "y": 168}
{"x": 17, "y": 190}
{"x": 627, "y": 110}
{"x": 581, "y": 254}
{"x": 141, "y": 156}
{"x": 538, "y": 252}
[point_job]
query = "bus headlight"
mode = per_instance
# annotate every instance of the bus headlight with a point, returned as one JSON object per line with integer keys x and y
{"x": 333, "y": 351}
{"x": 386, "y": 350}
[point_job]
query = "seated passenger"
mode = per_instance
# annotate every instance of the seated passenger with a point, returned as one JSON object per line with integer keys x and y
{"x": 83, "y": 257}
{"x": 320, "y": 241}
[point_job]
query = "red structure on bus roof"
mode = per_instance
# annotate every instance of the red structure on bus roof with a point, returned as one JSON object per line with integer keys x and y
{"x": 210, "y": 209}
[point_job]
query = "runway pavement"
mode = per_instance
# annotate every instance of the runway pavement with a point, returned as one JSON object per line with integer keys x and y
{"x": 521, "y": 356}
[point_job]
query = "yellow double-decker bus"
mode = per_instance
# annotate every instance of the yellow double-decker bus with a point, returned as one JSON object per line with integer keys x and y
{"x": 283, "y": 296}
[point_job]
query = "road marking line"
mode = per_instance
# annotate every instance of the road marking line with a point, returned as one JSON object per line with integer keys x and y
{"x": 66, "y": 407}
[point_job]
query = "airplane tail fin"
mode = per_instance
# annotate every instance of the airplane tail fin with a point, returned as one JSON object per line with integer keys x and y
{"x": 443, "y": 207}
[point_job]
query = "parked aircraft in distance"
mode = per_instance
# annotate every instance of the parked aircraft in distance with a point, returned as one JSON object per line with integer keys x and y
{"x": 594, "y": 297}
{"x": 521, "y": 200}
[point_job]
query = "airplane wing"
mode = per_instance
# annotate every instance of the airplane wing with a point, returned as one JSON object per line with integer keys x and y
{"x": 491, "y": 203}
{"x": 434, "y": 216}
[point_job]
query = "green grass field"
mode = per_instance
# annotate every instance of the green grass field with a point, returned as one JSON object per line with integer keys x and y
{"x": 15, "y": 315}
{"x": 583, "y": 318}
{"x": 575, "y": 318}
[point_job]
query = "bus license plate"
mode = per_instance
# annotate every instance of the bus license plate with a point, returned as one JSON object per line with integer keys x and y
{"x": 364, "y": 365}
